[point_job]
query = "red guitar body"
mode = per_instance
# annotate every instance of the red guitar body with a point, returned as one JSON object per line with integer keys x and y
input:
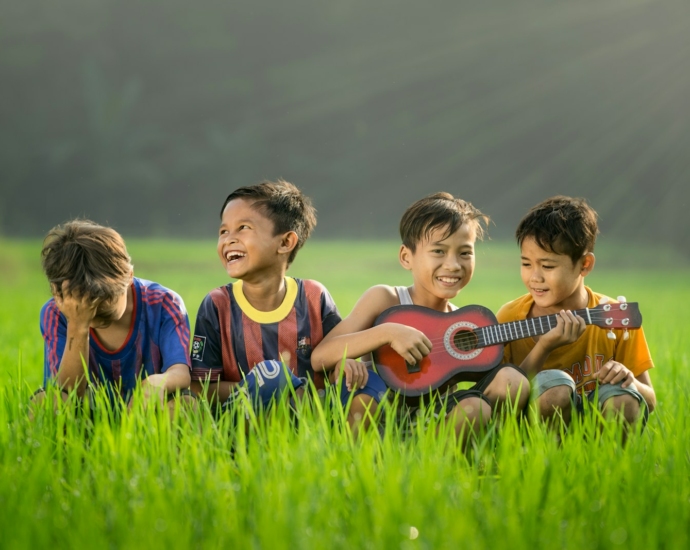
{"x": 446, "y": 332}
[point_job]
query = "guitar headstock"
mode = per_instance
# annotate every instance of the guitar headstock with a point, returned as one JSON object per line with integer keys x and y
{"x": 621, "y": 315}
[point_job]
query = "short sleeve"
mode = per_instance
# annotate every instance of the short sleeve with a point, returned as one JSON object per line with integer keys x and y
{"x": 54, "y": 332}
{"x": 173, "y": 339}
{"x": 207, "y": 359}
{"x": 633, "y": 352}
{"x": 330, "y": 316}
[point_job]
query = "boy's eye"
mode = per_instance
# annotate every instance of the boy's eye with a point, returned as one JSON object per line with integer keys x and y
{"x": 222, "y": 231}
{"x": 243, "y": 226}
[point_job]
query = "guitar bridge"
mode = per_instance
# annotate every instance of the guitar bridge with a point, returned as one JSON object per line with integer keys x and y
{"x": 413, "y": 367}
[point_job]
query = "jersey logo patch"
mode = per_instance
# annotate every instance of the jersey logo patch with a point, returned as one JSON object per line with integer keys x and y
{"x": 198, "y": 347}
{"x": 304, "y": 345}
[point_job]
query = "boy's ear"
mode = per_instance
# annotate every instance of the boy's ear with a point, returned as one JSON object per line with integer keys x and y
{"x": 288, "y": 242}
{"x": 405, "y": 257}
{"x": 588, "y": 261}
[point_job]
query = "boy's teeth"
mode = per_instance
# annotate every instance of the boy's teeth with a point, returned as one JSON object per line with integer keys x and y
{"x": 234, "y": 256}
{"x": 449, "y": 279}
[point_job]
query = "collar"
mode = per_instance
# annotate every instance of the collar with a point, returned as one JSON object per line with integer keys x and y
{"x": 266, "y": 317}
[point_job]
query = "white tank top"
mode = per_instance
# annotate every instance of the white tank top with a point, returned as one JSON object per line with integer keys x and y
{"x": 406, "y": 299}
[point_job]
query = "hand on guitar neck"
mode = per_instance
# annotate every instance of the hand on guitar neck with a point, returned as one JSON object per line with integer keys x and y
{"x": 569, "y": 327}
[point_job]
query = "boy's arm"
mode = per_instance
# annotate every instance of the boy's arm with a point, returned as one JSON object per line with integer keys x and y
{"x": 215, "y": 392}
{"x": 173, "y": 342}
{"x": 207, "y": 359}
{"x": 357, "y": 336}
{"x": 79, "y": 311}
{"x": 613, "y": 372}
{"x": 569, "y": 327}
{"x": 630, "y": 363}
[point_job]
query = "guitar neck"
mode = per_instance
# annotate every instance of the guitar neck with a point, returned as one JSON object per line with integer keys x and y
{"x": 503, "y": 333}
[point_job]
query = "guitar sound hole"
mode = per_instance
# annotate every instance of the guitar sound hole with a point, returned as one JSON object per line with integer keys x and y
{"x": 465, "y": 340}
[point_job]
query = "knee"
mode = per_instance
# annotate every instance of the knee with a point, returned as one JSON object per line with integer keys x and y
{"x": 625, "y": 405}
{"x": 509, "y": 384}
{"x": 518, "y": 386}
{"x": 474, "y": 410}
{"x": 363, "y": 404}
{"x": 558, "y": 398}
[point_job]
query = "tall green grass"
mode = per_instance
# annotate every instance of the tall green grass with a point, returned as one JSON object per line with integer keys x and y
{"x": 141, "y": 480}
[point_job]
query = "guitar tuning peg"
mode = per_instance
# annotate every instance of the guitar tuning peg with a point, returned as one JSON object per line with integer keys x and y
{"x": 621, "y": 299}
{"x": 626, "y": 335}
{"x": 610, "y": 335}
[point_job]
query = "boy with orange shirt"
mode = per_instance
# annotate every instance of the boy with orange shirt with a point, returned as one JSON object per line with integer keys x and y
{"x": 570, "y": 362}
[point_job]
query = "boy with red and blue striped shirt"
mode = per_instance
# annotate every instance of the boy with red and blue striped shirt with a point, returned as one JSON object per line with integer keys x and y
{"x": 245, "y": 331}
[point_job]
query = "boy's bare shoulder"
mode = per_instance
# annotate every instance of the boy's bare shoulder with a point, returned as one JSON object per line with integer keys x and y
{"x": 373, "y": 302}
{"x": 382, "y": 295}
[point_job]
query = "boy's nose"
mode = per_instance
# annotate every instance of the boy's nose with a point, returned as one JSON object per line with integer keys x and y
{"x": 452, "y": 263}
{"x": 536, "y": 276}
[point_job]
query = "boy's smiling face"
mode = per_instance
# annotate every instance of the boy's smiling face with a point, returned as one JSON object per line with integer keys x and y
{"x": 441, "y": 265}
{"x": 554, "y": 280}
{"x": 247, "y": 246}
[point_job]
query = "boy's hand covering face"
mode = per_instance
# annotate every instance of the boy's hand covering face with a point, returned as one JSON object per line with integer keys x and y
{"x": 77, "y": 309}
{"x": 85, "y": 310}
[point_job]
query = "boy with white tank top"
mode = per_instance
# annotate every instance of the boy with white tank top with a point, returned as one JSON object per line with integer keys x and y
{"x": 438, "y": 236}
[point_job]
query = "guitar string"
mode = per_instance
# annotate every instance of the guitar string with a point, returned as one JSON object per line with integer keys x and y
{"x": 597, "y": 315}
{"x": 481, "y": 342}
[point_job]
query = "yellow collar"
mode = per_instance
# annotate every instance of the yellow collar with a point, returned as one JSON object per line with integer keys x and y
{"x": 266, "y": 317}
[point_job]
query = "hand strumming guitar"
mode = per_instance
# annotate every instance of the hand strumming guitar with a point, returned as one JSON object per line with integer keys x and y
{"x": 410, "y": 343}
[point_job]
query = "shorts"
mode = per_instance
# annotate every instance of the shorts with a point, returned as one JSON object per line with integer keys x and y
{"x": 444, "y": 403}
{"x": 375, "y": 387}
{"x": 547, "y": 379}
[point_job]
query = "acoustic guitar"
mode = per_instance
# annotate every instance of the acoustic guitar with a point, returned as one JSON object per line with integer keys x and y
{"x": 471, "y": 340}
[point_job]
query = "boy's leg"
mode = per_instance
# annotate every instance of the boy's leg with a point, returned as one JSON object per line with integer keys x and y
{"x": 553, "y": 390}
{"x": 364, "y": 402}
{"x": 504, "y": 384}
{"x": 468, "y": 410}
{"x": 628, "y": 403}
{"x": 185, "y": 397}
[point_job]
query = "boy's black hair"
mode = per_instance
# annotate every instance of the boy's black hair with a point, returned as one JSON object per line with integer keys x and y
{"x": 282, "y": 203}
{"x": 563, "y": 225}
{"x": 93, "y": 258}
{"x": 436, "y": 211}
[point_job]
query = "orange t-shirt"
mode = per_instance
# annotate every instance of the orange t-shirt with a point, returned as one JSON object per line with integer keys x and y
{"x": 581, "y": 359}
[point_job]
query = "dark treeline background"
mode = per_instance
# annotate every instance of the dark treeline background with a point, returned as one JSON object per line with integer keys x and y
{"x": 146, "y": 114}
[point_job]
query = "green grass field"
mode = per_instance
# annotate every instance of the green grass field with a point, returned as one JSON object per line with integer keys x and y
{"x": 143, "y": 481}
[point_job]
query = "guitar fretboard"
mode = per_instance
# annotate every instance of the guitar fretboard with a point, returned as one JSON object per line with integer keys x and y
{"x": 503, "y": 333}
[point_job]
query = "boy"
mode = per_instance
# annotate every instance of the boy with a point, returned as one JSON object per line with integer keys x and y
{"x": 127, "y": 330}
{"x": 246, "y": 330}
{"x": 438, "y": 235}
{"x": 556, "y": 240}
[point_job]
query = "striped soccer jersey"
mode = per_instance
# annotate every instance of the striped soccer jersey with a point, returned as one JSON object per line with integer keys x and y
{"x": 231, "y": 336}
{"x": 158, "y": 338}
